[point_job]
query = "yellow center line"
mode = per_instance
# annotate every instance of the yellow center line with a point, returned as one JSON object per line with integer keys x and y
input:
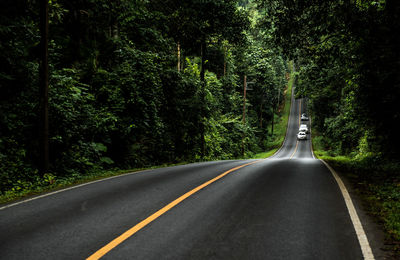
{"x": 107, "y": 248}
{"x": 300, "y": 113}
{"x": 297, "y": 142}
{"x": 295, "y": 149}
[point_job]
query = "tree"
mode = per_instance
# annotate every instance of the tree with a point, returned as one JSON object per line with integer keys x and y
{"x": 44, "y": 83}
{"x": 346, "y": 53}
{"x": 196, "y": 23}
{"x": 116, "y": 98}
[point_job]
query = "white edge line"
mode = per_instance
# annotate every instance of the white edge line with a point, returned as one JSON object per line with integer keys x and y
{"x": 69, "y": 188}
{"x": 362, "y": 237}
{"x": 297, "y": 141}
{"x": 311, "y": 143}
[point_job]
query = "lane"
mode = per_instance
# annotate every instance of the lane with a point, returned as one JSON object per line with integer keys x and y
{"x": 265, "y": 211}
{"x": 288, "y": 207}
{"x": 141, "y": 225}
{"x": 290, "y": 142}
{"x": 292, "y": 148}
{"x": 75, "y": 223}
{"x": 304, "y": 146}
{"x": 285, "y": 207}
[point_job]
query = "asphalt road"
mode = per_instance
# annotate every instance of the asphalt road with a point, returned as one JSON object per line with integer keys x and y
{"x": 285, "y": 207}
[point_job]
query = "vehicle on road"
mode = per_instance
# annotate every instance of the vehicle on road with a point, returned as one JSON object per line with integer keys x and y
{"x": 303, "y": 128}
{"x": 304, "y": 117}
{"x": 301, "y": 136}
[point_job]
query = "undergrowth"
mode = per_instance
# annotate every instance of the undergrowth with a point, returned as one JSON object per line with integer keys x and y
{"x": 377, "y": 181}
{"x": 50, "y": 182}
{"x": 277, "y": 138}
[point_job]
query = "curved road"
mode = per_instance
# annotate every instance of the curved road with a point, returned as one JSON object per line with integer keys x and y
{"x": 286, "y": 207}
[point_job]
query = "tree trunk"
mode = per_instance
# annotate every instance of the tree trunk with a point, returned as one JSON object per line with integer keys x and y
{"x": 244, "y": 99}
{"x": 44, "y": 86}
{"x": 115, "y": 30}
{"x": 224, "y": 61}
{"x": 279, "y": 95}
{"x": 203, "y": 85}
{"x": 261, "y": 117}
{"x": 272, "y": 128}
{"x": 179, "y": 56}
{"x": 244, "y": 109}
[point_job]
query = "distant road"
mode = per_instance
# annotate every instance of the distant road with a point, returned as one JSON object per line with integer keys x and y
{"x": 286, "y": 207}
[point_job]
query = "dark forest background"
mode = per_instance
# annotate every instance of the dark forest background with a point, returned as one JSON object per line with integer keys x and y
{"x": 136, "y": 83}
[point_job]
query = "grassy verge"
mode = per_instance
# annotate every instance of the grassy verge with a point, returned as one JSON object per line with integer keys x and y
{"x": 281, "y": 121}
{"x": 377, "y": 182}
{"x": 264, "y": 154}
{"x": 51, "y": 183}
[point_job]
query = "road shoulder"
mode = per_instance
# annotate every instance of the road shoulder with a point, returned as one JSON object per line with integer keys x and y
{"x": 373, "y": 229}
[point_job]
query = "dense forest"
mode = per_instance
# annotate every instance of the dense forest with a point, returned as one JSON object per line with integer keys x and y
{"x": 347, "y": 53}
{"x": 133, "y": 83}
{"x": 348, "y": 62}
{"x": 136, "y": 83}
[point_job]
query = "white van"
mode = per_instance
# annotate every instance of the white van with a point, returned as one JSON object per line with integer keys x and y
{"x": 303, "y": 128}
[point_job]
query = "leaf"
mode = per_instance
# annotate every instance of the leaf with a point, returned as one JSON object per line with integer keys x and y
{"x": 106, "y": 160}
{"x": 99, "y": 147}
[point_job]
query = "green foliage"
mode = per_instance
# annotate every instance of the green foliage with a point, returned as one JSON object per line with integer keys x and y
{"x": 117, "y": 99}
{"x": 343, "y": 50}
{"x": 375, "y": 179}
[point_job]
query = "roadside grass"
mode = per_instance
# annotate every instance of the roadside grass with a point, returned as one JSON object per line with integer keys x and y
{"x": 264, "y": 155}
{"x": 377, "y": 182}
{"x": 50, "y": 183}
{"x": 280, "y": 126}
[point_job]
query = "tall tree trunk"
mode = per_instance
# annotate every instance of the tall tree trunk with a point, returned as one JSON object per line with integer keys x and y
{"x": 179, "y": 56}
{"x": 203, "y": 86}
{"x": 115, "y": 30}
{"x": 224, "y": 61}
{"x": 244, "y": 109}
{"x": 279, "y": 95}
{"x": 44, "y": 86}
{"x": 244, "y": 98}
{"x": 261, "y": 116}
{"x": 272, "y": 126}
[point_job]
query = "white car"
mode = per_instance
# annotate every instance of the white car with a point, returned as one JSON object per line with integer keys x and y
{"x": 304, "y": 117}
{"x": 303, "y": 128}
{"x": 302, "y": 136}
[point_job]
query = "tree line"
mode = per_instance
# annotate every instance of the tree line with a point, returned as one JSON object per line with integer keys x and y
{"x": 134, "y": 83}
{"x": 348, "y": 57}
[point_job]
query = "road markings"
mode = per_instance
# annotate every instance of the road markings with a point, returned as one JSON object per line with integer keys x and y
{"x": 297, "y": 141}
{"x": 107, "y": 248}
{"x": 311, "y": 143}
{"x": 69, "y": 188}
{"x": 295, "y": 149}
{"x": 362, "y": 237}
{"x": 299, "y": 112}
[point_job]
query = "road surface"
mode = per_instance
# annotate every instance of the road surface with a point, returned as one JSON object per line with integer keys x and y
{"x": 286, "y": 207}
